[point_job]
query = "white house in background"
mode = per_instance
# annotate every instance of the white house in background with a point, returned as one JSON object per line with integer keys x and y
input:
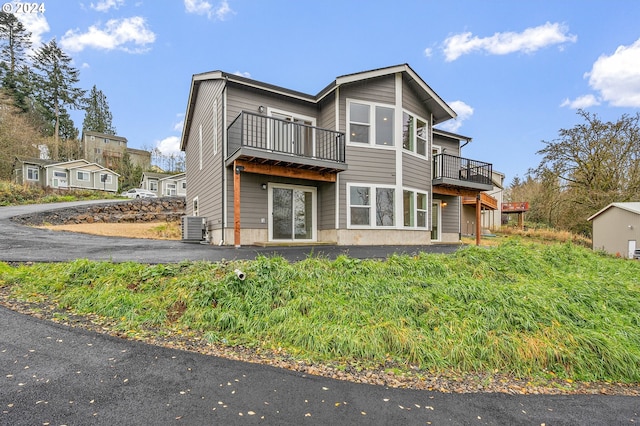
{"x": 73, "y": 174}
{"x": 165, "y": 184}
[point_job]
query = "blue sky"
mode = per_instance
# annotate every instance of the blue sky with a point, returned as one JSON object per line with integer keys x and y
{"x": 514, "y": 71}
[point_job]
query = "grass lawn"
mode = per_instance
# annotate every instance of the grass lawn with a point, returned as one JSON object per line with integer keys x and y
{"x": 528, "y": 310}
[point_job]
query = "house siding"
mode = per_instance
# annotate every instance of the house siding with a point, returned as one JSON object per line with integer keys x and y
{"x": 248, "y": 99}
{"x": 614, "y": 228}
{"x": 205, "y": 183}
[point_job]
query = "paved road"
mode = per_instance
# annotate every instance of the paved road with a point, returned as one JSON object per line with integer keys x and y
{"x": 20, "y": 243}
{"x": 53, "y": 374}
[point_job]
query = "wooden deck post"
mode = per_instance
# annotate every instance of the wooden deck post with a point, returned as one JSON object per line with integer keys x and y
{"x": 236, "y": 203}
{"x": 478, "y": 218}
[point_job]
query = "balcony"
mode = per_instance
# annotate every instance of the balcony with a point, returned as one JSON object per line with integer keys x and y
{"x": 275, "y": 143}
{"x": 487, "y": 202}
{"x": 461, "y": 174}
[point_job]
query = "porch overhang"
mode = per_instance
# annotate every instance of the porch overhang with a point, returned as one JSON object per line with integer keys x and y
{"x": 277, "y": 164}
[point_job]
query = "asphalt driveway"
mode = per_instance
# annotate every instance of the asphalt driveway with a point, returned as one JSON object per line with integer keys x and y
{"x": 23, "y": 244}
{"x": 54, "y": 374}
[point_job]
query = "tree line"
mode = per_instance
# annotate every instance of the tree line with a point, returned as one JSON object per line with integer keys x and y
{"x": 583, "y": 170}
{"x": 38, "y": 88}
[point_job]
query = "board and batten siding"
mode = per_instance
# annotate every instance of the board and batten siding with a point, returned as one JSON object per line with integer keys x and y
{"x": 205, "y": 183}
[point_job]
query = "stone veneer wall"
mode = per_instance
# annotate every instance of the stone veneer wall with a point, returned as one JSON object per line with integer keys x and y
{"x": 165, "y": 209}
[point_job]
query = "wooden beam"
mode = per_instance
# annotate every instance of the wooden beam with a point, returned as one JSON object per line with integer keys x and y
{"x": 456, "y": 192}
{"x": 282, "y": 171}
{"x": 478, "y": 218}
{"x": 237, "y": 169}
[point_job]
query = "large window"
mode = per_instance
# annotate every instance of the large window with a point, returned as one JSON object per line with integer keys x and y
{"x": 414, "y": 134}
{"x": 33, "y": 173}
{"x": 367, "y": 121}
{"x": 371, "y": 206}
{"x": 414, "y": 209}
{"x": 84, "y": 176}
{"x": 105, "y": 178}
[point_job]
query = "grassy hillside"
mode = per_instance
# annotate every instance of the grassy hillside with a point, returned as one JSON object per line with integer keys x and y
{"x": 12, "y": 194}
{"x": 529, "y": 310}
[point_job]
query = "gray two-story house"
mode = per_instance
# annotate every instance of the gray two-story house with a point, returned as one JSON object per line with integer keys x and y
{"x": 358, "y": 163}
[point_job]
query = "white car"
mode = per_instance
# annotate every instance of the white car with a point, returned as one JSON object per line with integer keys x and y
{"x": 139, "y": 193}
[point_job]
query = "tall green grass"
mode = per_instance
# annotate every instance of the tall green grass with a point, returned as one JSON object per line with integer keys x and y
{"x": 531, "y": 310}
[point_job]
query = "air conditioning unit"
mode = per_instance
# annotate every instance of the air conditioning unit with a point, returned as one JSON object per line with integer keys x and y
{"x": 193, "y": 229}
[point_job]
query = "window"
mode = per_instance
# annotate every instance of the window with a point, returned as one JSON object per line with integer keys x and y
{"x": 84, "y": 176}
{"x": 184, "y": 184}
{"x": 367, "y": 121}
{"x": 360, "y": 207}
{"x": 359, "y": 123}
{"x": 384, "y": 126}
{"x": 153, "y": 185}
{"x": 414, "y": 134}
{"x": 384, "y": 207}
{"x": 215, "y": 127}
{"x": 33, "y": 173}
{"x": 171, "y": 189}
{"x": 415, "y": 209}
{"x": 371, "y": 206}
{"x": 105, "y": 178}
{"x": 195, "y": 207}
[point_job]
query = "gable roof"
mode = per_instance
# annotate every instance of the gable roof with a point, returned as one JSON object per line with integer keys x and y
{"x": 441, "y": 111}
{"x": 633, "y": 207}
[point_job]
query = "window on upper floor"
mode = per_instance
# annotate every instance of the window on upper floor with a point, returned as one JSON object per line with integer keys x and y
{"x": 370, "y": 124}
{"x": 414, "y": 134}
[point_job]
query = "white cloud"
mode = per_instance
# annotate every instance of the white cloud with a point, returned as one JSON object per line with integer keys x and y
{"x": 203, "y": 7}
{"x": 528, "y": 41}
{"x": 617, "y": 77}
{"x": 242, "y": 74}
{"x": 105, "y": 5}
{"x": 179, "y": 124}
{"x": 118, "y": 34}
{"x": 464, "y": 112}
{"x": 581, "y": 102}
{"x": 36, "y": 24}
{"x": 169, "y": 146}
{"x": 428, "y": 52}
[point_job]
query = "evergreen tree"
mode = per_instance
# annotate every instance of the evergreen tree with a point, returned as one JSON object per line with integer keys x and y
{"x": 97, "y": 116}
{"x": 56, "y": 86}
{"x": 15, "y": 40}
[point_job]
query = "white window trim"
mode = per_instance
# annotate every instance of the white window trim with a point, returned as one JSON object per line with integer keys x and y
{"x": 372, "y": 207}
{"x": 372, "y": 124}
{"x": 33, "y": 169}
{"x": 293, "y": 116}
{"x": 195, "y": 207}
{"x": 215, "y": 127}
{"x": 314, "y": 207}
{"x": 200, "y": 144}
{"x": 414, "y": 152}
{"x": 83, "y": 173}
{"x": 109, "y": 178}
{"x": 415, "y": 192}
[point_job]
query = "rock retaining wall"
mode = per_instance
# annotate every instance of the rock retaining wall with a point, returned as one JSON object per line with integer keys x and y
{"x": 165, "y": 209}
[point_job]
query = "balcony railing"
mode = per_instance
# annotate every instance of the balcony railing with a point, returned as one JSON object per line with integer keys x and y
{"x": 273, "y": 135}
{"x": 458, "y": 171}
